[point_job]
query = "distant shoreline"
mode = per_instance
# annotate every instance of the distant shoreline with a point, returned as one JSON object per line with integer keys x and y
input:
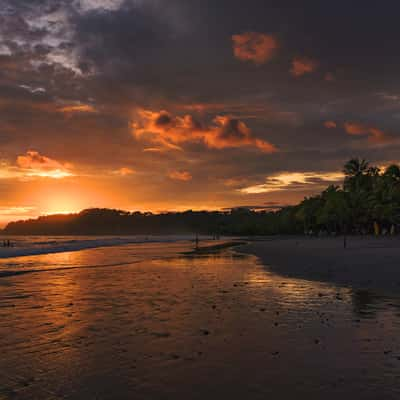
{"x": 52, "y": 246}
{"x": 216, "y": 247}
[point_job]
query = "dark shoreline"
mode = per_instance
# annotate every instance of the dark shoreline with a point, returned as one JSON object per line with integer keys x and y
{"x": 215, "y": 247}
{"x": 367, "y": 262}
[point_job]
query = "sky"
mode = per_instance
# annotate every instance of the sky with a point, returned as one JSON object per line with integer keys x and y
{"x": 157, "y": 105}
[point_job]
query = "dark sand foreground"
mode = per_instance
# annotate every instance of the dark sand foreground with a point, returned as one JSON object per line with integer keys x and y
{"x": 367, "y": 262}
{"x": 148, "y": 322}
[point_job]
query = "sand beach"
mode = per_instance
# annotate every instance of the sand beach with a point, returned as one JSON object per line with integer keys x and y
{"x": 366, "y": 262}
{"x": 159, "y": 321}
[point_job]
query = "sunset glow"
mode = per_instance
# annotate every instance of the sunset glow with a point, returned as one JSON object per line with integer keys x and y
{"x": 294, "y": 181}
{"x": 125, "y": 104}
{"x": 199, "y": 199}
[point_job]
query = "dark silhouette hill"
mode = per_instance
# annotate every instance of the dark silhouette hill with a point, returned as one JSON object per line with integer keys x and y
{"x": 117, "y": 222}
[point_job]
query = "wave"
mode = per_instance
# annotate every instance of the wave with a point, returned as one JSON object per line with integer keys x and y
{"x": 26, "y": 247}
{"x": 9, "y": 273}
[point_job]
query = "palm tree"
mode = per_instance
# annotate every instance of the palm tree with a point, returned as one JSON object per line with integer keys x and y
{"x": 355, "y": 167}
{"x": 328, "y": 213}
{"x": 307, "y": 212}
{"x": 336, "y": 212}
{"x": 360, "y": 180}
{"x": 392, "y": 172}
{"x": 355, "y": 170}
{"x": 386, "y": 197}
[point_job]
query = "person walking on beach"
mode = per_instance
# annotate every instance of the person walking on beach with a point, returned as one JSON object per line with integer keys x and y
{"x": 7, "y": 243}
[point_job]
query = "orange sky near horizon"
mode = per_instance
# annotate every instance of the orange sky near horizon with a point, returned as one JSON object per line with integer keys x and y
{"x": 49, "y": 187}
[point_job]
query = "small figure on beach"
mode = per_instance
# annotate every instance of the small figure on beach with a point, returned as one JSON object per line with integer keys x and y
{"x": 376, "y": 229}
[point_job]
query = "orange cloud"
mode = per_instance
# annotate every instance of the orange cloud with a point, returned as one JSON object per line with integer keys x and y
{"x": 353, "y": 128}
{"x": 302, "y": 66}
{"x": 124, "y": 171}
{"x": 170, "y": 132}
{"x": 34, "y": 164}
{"x": 255, "y": 47}
{"x": 330, "y": 124}
{"x": 375, "y": 135}
{"x": 294, "y": 181}
{"x": 184, "y": 176}
{"x": 79, "y": 108}
{"x": 378, "y": 136}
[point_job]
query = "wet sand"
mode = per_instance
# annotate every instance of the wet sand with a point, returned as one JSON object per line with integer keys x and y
{"x": 367, "y": 262}
{"x": 146, "y": 322}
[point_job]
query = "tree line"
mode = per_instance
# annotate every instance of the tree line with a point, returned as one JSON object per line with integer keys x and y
{"x": 367, "y": 202}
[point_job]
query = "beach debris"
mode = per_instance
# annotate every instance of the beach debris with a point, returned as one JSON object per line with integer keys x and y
{"x": 161, "y": 334}
{"x": 338, "y": 296}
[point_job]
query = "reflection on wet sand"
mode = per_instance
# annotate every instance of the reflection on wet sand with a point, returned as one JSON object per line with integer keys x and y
{"x": 208, "y": 326}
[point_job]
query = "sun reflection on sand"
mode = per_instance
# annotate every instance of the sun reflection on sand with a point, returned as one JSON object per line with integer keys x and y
{"x": 296, "y": 293}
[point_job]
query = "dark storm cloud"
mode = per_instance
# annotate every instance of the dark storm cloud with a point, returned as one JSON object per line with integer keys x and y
{"x": 103, "y": 60}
